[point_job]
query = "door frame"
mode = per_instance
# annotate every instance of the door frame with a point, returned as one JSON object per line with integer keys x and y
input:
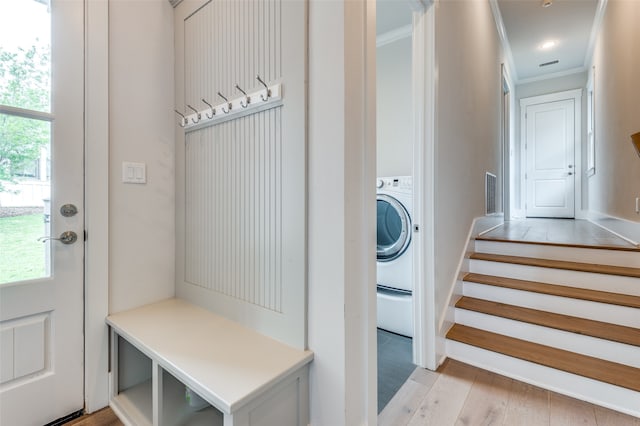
{"x": 425, "y": 342}
{"x": 96, "y": 285}
{"x": 506, "y": 127}
{"x": 576, "y": 96}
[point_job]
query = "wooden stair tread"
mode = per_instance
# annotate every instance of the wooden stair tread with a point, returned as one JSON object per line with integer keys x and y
{"x": 582, "y": 365}
{"x": 556, "y": 290}
{"x": 559, "y": 264}
{"x": 602, "y": 330}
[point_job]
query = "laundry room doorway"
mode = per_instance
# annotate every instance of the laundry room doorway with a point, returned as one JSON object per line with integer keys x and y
{"x": 401, "y": 92}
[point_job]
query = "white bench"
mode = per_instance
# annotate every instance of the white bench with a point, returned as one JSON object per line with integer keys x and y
{"x": 244, "y": 378}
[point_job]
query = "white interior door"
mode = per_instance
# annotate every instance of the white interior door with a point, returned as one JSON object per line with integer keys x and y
{"x": 41, "y": 283}
{"x": 550, "y": 159}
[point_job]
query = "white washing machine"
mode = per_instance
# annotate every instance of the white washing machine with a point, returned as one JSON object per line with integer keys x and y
{"x": 394, "y": 253}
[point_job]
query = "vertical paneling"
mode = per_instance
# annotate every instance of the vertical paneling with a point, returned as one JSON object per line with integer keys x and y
{"x": 234, "y": 209}
{"x": 233, "y": 194}
{"x": 241, "y": 200}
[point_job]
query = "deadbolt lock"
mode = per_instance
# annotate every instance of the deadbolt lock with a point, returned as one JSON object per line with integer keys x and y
{"x": 68, "y": 210}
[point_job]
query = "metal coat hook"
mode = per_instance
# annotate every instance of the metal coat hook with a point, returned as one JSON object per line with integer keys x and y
{"x": 197, "y": 114}
{"x": 229, "y": 104}
{"x": 246, "y": 97}
{"x": 213, "y": 111}
{"x": 183, "y": 122}
{"x": 266, "y": 88}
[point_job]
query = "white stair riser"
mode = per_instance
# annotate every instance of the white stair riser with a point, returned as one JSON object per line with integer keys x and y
{"x": 604, "y": 312}
{"x": 571, "y": 254}
{"x": 588, "y": 280}
{"x": 572, "y": 342}
{"x": 593, "y": 391}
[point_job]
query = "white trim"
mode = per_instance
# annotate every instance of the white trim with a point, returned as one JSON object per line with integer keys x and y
{"x": 576, "y": 96}
{"x": 595, "y": 30}
{"x": 26, "y": 113}
{"x": 96, "y": 369}
{"x": 394, "y": 35}
{"x": 558, "y": 74}
{"x": 424, "y": 77}
{"x": 504, "y": 40}
{"x": 506, "y": 124}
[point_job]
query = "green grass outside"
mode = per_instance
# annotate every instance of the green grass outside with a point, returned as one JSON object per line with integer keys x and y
{"x": 21, "y": 254}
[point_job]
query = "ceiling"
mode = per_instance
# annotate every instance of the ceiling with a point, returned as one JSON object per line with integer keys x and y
{"x": 528, "y": 25}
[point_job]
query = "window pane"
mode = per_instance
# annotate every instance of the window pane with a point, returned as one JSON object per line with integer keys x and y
{"x": 24, "y": 197}
{"x": 25, "y": 52}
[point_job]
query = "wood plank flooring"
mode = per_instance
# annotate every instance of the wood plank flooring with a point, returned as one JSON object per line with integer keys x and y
{"x": 459, "y": 394}
{"x": 567, "y": 232}
{"x": 104, "y": 417}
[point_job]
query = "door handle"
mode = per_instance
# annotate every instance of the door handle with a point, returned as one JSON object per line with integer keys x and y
{"x": 570, "y": 173}
{"x": 67, "y": 237}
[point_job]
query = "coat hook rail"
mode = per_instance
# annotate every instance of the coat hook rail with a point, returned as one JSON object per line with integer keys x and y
{"x": 250, "y": 102}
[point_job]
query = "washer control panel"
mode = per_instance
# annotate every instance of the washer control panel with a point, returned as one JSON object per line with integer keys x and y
{"x": 399, "y": 182}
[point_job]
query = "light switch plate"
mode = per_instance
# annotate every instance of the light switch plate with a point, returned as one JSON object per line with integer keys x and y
{"x": 134, "y": 172}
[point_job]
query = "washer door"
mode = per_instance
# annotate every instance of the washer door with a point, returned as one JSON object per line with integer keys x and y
{"x": 393, "y": 234}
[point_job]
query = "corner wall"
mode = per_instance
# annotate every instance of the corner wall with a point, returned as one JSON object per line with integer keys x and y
{"x": 468, "y": 98}
{"x": 341, "y": 219}
{"x": 616, "y": 183}
{"x": 141, "y": 129}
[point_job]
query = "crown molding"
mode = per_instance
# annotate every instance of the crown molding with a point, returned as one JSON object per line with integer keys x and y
{"x": 506, "y": 47}
{"x": 595, "y": 30}
{"x": 553, "y": 75}
{"x": 394, "y": 35}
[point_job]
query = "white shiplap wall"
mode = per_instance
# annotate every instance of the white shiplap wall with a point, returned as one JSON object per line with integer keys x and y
{"x": 241, "y": 247}
{"x": 234, "y": 209}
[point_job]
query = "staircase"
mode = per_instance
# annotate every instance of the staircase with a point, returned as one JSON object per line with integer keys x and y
{"x": 562, "y": 318}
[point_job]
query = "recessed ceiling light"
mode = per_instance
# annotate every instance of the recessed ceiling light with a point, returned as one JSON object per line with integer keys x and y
{"x": 546, "y": 3}
{"x": 549, "y": 44}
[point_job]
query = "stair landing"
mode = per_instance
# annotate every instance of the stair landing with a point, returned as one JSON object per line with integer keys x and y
{"x": 558, "y": 232}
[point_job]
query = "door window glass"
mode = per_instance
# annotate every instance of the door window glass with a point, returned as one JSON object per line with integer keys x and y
{"x": 25, "y": 138}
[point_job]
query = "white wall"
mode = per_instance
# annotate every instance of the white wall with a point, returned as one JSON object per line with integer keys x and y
{"x": 141, "y": 217}
{"x": 341, "y": 240}
{"x": 616, "y": 183}
{"x": 468, "y": 96}
{"x": 394, "y": 109}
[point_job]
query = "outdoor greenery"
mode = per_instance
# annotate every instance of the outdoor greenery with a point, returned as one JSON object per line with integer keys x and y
{"x": 24, "y": 83}
{"x": 23, "y": 254}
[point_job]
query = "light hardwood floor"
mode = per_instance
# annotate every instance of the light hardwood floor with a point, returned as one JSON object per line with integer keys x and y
{"x": 104, "y": 417}
{"x": 459, "y": 394}
{"x": 569, "y": 232}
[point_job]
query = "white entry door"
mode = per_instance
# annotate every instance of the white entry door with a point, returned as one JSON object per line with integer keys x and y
{"x": 41, "y": 283}
{"x": 550, "y": 159}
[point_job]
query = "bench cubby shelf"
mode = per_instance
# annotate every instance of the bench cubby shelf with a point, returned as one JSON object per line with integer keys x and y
{"x": 246, "y": 379}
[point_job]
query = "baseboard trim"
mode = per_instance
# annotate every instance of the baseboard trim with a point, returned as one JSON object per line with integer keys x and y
{"x": 625, "y": 229}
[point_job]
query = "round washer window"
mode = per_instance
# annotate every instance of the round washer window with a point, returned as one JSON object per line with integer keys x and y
{"x": 393, "y": 234}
